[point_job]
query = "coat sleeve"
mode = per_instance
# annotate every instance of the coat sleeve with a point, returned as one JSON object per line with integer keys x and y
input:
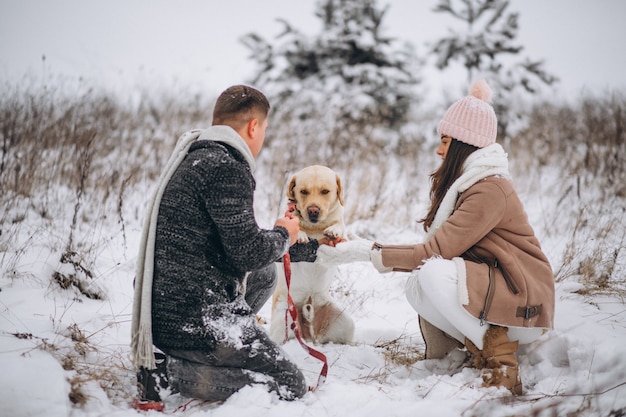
{"x": 304, "y": 252}
{"x": 479, "y": 209}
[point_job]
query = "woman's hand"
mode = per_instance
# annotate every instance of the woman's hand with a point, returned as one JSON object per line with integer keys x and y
{"x": 357, "y": 250}
{"x": 330, "y": 242}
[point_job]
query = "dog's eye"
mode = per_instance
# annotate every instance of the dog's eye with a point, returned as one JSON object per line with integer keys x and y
{"x": 304, "y": 192}
{"x": 325, "y": 192}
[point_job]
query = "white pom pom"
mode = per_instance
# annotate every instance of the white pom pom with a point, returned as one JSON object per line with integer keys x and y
{"x": 481, "y": 90}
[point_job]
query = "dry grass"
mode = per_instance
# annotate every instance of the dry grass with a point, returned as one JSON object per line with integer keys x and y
{"x": 86, "y": 363}
{"x": 88, "y": 152}
{"x": 398, "y": 352}
{"x": 585, "y": 144}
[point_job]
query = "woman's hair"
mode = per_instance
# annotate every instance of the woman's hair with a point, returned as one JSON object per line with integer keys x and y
{"x": 239, "y": 104}
{"x": 451, "y": 168}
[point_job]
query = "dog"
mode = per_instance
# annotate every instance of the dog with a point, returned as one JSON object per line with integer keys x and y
{"x": 318, "y": 196}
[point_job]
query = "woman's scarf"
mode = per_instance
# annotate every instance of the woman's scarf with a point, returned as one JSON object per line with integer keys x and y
{"x": 483, "y": 163}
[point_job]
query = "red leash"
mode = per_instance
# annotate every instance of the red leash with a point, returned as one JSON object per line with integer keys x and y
{"x": 293, "y": 311}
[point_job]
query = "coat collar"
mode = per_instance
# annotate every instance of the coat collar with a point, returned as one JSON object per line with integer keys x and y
{"x": 228, "y": 136}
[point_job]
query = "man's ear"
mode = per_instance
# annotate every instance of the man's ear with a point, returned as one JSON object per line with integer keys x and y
{"x": 251, "y": 128}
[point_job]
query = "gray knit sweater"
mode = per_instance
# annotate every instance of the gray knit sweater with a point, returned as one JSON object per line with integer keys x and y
{"x": 207, "y": 239}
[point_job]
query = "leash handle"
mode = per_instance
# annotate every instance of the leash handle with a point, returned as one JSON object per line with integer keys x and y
{"x": 293, "y": 311}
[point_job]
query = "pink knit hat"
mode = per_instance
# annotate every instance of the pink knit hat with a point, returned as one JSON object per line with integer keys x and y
{"x": 471, "y": 119}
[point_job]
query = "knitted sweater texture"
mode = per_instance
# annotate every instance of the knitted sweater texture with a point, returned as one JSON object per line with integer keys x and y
{"x": 207, "y": 240}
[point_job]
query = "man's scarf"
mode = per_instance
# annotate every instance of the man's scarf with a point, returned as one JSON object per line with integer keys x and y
{"x": 141, "y": 330}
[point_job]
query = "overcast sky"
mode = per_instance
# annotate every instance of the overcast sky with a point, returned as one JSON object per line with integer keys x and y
{"x": 117, "y": 43}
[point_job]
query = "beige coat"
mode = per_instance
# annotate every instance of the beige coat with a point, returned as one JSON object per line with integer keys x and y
{"x": 489, "y": 224}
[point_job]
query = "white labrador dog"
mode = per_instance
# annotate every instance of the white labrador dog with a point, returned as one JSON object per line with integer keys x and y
{"x": 318, "y": 196}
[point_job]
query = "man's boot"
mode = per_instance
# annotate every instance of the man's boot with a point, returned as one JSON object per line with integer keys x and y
{"x": 497, "y": 360}
{"x": 150, "y": 382}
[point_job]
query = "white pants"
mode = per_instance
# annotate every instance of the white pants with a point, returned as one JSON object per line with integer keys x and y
{"x": 433, "y": 292}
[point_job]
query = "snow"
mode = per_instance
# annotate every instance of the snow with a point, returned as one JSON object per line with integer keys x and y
{"x": 63, "y": 354}
{"x": 577, "y": 368}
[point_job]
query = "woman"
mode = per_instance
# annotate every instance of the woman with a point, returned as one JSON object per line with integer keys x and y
{"x": 480, "y": 279}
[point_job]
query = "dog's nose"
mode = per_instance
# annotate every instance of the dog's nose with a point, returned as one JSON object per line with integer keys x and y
{"x": 313, "y": 212}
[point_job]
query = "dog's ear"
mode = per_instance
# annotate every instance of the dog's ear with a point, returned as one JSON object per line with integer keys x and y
{"x": 292, "y": 184}
{"x": 339, "y": 189}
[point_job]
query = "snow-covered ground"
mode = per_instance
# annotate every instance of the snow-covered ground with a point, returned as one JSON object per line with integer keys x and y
{"x": 65, "y": 354}
{"x": 57, "y": 346}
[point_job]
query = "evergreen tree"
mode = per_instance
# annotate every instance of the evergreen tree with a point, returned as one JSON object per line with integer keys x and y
{"x": 486, "y": 46}
{"x": 342, "y": 83}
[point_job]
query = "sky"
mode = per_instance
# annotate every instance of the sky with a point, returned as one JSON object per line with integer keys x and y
{"x": 120, "y": 43}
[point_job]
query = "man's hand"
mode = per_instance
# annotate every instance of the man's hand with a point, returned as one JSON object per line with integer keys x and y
{"x": 292, "y": 224}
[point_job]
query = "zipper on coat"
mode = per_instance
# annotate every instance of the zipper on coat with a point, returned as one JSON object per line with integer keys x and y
{"x": 491, "y": 289}
{"x": 507, "y": 278}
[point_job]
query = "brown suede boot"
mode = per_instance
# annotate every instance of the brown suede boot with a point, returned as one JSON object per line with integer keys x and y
{"x": 438, "y": 343}
{"x": 497, "y": 360}
{"x": 475, "y": 354}
{"x": 501, "y": 368}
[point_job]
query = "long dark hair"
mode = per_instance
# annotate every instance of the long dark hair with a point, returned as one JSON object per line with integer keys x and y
{"x": 440, "y": 181}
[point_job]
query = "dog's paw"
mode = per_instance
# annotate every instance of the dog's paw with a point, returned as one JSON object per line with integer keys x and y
{"x": 302, "y": 237}
{"x": 335, "y": 231}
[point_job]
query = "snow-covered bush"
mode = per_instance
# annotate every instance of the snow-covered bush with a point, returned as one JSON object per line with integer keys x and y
{"x": 483, "y": 40}
{"x": 366, "y": 81}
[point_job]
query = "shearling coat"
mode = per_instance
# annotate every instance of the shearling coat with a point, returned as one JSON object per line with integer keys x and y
{"x": 508, "y": 278}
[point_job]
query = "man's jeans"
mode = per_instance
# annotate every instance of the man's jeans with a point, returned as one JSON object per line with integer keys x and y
{"x": 215, "y": 375}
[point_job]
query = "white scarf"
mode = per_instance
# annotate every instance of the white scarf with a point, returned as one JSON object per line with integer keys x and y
{"x": 141, "y": 330}
{"x": 483, "y": 163}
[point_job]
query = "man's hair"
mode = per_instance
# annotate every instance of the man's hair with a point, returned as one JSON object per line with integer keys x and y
{"x": 239, "y": 104}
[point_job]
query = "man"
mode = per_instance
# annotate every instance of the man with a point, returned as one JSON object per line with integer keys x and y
{"x": 205, "y": 267}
